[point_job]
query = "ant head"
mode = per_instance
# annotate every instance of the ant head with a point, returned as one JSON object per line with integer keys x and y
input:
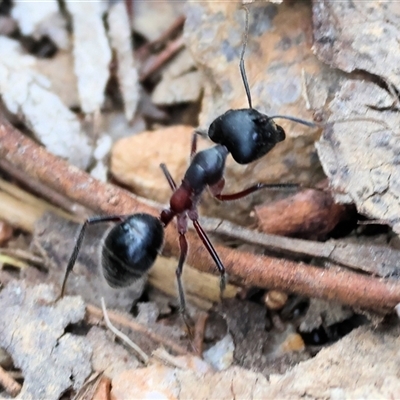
{"x": 246, "y": 133}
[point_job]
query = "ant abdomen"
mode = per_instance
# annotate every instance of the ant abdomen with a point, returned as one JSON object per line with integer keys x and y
{"x": 246, "y": 133}
{"x": 131, "y": 248}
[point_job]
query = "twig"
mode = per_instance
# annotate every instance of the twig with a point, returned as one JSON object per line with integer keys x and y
{"x": 17, "y": 213}
{"x": 135, "y": 326}
{"x": 377, "y": 260}
{"x": 42, "y": 190}
{"x": 199, "y": 329}
{"x": 23, "y": 196}
{"x": 144, "y": 51}
{"x": 121, "y": 335}
{"x": 15, "y": 262}
{"x": 10, "y": 385}
{"x": 161, "y": 58}
{"x": 23, "y": 255}
{"x": 332, "y": 284}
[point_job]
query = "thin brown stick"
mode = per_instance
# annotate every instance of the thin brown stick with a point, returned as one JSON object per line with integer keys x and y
{"x": 10, "y": 385}
{"x": 338, "y": 284}
{"x": 153, "y": 64}
{"x": 144, "y": 51}
{"x": 136, "y": 327}
{"x": 199, "y": 329}
{"x": 377, "y": 260}
{"x": 44, "y": 191}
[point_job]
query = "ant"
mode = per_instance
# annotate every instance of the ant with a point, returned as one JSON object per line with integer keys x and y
{"x": 131, "y": 247}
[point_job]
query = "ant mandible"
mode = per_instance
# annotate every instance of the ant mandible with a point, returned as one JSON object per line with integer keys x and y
{"x": 131, "y": 247}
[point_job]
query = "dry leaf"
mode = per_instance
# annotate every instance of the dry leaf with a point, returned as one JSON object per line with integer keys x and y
{"x": 120, "y": 36}
{"x": 32, "y": 330}
{"x": 27, "y": 93}
{"x": 40, "y": 19}
{"x": 92, "y": 52}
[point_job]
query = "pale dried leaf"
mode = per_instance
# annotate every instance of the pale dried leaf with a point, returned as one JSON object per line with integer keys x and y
{"x": 40, "y": 19}
{"x": 32, "y": 330}
{"x": 120, "y": 37}
{"x": 91, "y": 51}
{"x": 27, "y": 93}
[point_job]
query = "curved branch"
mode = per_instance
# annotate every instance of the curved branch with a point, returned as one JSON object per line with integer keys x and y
{"x": 335, "y": 283}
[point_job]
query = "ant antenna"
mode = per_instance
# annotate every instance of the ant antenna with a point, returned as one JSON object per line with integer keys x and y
{"x": 242, "y": 69}
{"x": 298, "y": 120}
{"x": 337, "y": 121}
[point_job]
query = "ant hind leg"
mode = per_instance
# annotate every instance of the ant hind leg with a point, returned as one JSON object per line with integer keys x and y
{"x": 182, "y": 300}
{"x": 210, "y": 248}
{"x": 79, "y": 240}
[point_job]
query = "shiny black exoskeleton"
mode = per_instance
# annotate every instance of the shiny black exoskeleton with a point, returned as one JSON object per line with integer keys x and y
{"x": 246, "y": 133}
{"x": 131, "y": 247}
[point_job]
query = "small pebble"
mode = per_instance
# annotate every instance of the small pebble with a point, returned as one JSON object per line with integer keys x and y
{"x": 275, "y": 299}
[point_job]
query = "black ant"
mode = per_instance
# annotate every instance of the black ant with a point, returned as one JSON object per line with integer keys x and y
{"x": 131, "y": 247}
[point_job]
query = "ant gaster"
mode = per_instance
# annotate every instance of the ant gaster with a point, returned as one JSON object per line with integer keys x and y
{"x": 131, "y": 247}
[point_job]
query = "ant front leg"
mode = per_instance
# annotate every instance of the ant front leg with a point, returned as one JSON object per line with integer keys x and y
{"x": 218, "y": 187}
{"x": 168, "y": 176}
{"x": 79, "y": 240}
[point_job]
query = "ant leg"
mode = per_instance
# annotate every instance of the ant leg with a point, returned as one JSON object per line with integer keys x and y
{"x": 182, "y": 301}
{"x": 210, "y": 248}
{"x": 169, "y": 177}
{"x": 216, "y": 190}
{"x": 193, "y": 148}
{"x": 79, "y": 240}
{"x": 182, "y": 257}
